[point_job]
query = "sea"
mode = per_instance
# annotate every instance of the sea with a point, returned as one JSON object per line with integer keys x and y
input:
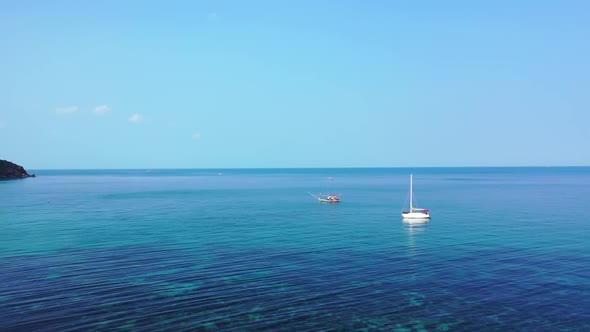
{"x": 506, "y": 249}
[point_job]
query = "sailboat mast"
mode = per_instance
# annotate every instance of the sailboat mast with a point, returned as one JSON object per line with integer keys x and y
{"x": 411, "y": 192}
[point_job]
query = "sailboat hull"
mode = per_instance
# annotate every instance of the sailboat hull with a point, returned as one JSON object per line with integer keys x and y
{"x": 416, "y": 219}
{"x": 416, "y": 215}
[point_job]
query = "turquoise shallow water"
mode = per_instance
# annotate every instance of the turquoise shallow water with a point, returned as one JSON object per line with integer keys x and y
{"x": 249, "y": 250}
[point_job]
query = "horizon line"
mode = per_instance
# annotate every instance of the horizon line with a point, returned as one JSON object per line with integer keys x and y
{"x": 294, "y": 168}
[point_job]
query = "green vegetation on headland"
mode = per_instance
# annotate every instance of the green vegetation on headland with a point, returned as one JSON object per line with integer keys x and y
{"x": 10, "y": 170}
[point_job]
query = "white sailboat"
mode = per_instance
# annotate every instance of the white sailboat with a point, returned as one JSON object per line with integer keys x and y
{"x": 415, "y": 214}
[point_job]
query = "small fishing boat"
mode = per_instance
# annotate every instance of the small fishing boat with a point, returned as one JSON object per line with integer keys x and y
{"x": 329, "y": 198}
{"x": 415, "y": 214}
{"x": 333, "y": 198}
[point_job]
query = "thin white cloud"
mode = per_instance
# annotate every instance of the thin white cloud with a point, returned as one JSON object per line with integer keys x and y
{"x": 196, "y": 136}
{"x": 135, "y": 118}
{"x": 212, "y": 16}
{"x": 101, "y": 109}
{"x": 66, "y": 110}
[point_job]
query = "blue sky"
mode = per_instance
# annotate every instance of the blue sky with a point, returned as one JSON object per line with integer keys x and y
{"x": 212, "y": 84}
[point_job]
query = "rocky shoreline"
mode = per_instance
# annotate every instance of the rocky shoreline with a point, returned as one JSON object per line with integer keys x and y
{"x": 9, "y": 170}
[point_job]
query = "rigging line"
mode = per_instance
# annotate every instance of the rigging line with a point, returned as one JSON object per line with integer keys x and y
{"x": 405, "y": 202}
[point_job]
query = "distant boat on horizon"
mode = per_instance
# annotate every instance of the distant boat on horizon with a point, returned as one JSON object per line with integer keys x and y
{"x": 415, "y": 214}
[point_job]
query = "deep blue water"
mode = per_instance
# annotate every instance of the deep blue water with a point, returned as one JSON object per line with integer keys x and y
{"x": 507, "y": 249}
